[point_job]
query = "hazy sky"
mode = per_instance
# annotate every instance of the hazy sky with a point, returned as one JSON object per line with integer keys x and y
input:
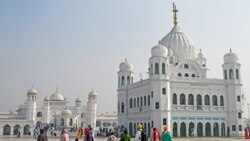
{"x": 78, "y": 45}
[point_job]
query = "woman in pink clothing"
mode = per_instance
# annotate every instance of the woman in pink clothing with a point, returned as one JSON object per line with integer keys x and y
{"x": 64, "y": 135}
{"x": 156, "y": 136}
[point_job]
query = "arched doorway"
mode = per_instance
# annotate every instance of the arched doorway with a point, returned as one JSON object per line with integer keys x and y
{"x": 191, "y": 129}
{"x": 175, "y": 130}
{"x": 26, "y": 130}
{"x": 39, "y": 124}
{"x": 62, "y": 122}
{"x": 71, "y": 122}
{"x": 148, "y": 128}
{"x": 223, "y": 129}
{"x": 130, "y": 128}
{"x": 199, "y": 130}
{"x": 208, "y": 129}
{"x": 6, "y": 130}
{"x": 216, "y": 129}
{"x": 183, "y": 129}
{"x": 16, "y": 129}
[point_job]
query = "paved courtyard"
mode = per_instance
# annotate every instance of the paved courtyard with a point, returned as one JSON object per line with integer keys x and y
{"x": 105, "y": 139}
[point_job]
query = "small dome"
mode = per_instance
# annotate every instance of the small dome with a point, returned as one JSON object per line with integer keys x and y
{"x": 126, "y": 66}
{"x": 46, "y": 98}
{"x": 92, "y": 93}
{"x": 32, "y": 91}
{"x": 57, "y": 96}
{"x": 159, "y": 50}
{"x": 66, "y": 112}
{"x": 230, "y": 57}
{"x": 179, "y": 43}
{"x": 78, "y": 99}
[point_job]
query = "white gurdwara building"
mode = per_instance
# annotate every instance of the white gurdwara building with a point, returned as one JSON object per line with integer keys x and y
{"x": 178, "y": 93}
{"x": 53, "y": 112}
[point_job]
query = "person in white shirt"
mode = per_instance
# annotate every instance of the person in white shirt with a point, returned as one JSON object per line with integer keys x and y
{"x": 138, "y": 134}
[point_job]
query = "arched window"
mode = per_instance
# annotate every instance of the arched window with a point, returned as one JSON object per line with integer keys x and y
{"x": 123, "y": 81}
{"x": 186, "y": 75}
{"x": 39, "y": 114}
{"x": 231, "y": 74}
{"x": 199, "y": 100}
{"x": 193, "y": 75}
{"x": 237, "y": 74}
{"x": 179, "y": 74}
{"x": 221, "y": 101}
{"x": 128, "y": 80}
{"x": 138, "y": 101}
{"x": 207, "y": 100}
{"x": 122, "y": 107}
{"x": 148, "y": 100}
{"x": 215, "y": 102}
{"x": 141, "y": 101}
{"x": 145, "y": 100}
{"x": 134, "y": 102}
{"x": 16, "y": 129}
{"x": 6, "y": 130}
{"x": 156, "y": 68}
{"x": 182, "y": 99}
{"x": 225, "y": 74}
{"x": 174, "y": 98}
{"x": 190, "y": 99}
{"x": 163, "y": 68}
{"x": 130, "y": 103}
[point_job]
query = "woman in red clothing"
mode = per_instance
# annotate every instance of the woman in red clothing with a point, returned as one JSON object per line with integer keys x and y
{"x": 156, "y": 136}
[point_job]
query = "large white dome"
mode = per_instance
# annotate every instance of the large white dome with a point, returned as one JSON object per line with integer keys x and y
{"x": 181, "y": 45}
{"x": 126, "y": 66}
{"x": 56, "y": 96}
{"x": 159, "y": 50}
{"x": 230, "y": 57}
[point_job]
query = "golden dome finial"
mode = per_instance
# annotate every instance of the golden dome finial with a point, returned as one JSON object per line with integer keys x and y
{"x": 175, "y": 14}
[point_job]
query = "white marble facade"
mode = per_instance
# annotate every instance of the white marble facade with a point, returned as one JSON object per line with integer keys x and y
{"x": 178, "y": 94}
{"x": 55, "y": 111}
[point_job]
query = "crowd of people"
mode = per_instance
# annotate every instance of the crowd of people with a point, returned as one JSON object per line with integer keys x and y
{"x": 88, "y": 134}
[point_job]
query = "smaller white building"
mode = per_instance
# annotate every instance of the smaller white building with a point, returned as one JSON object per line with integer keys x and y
{"x": 55, "y": 111}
